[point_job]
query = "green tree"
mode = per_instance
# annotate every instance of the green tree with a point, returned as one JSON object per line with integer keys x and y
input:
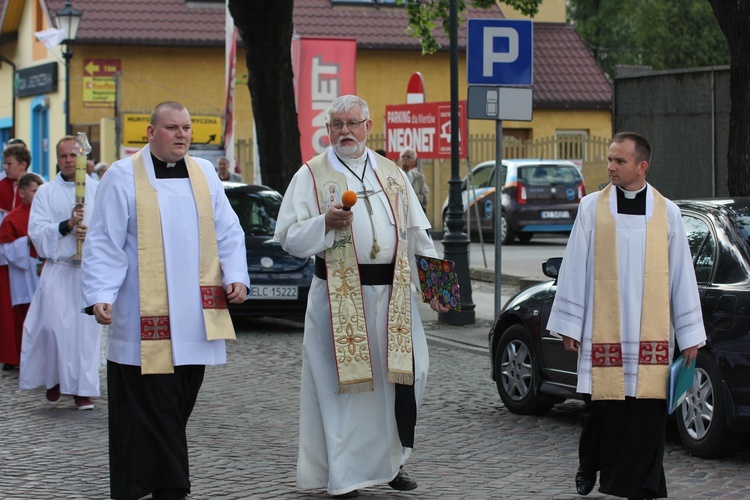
{"x": 663, "y": 34}
{"x": 265, "y": 27}
{"x": 425, "y": 14}
{"x": 608, "y": 28}
{"x": 732, "y": 17}
{"x": 679, "y": 34}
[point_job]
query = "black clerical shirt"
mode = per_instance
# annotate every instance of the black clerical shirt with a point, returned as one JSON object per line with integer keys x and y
{"x": 636, "y": 206}
{"x": 163, "y": 171}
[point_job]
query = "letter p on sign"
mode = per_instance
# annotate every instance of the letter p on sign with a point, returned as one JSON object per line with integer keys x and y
{"x": 509, "y": 55}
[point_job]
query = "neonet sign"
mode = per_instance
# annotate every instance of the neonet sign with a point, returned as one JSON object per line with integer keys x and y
{"x": 424, "y": 127}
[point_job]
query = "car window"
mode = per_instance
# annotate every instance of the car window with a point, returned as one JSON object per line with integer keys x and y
{"x": 504, "y": 173}
{"x": 544, "y": 175}
{"x": 257, "y": 211}
{"x": 483, "y": 176}
{"x": 702, "y": 246}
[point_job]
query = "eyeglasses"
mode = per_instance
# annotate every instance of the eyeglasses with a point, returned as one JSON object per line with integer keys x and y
{"x": 350, "y": 124}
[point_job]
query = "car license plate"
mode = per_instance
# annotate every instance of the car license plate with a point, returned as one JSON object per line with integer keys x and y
{"x": 556, "y": 214}
{"x": 274, "y": 292}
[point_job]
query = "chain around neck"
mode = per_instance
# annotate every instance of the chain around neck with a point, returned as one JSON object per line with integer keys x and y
{"x": 360, "y": 177}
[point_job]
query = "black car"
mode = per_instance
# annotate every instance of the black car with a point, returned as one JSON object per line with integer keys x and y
{"x": 279, "y": 281}
{"x": 533, "y": 371}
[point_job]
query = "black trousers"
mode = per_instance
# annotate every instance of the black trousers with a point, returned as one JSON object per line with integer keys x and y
{"x": 148, "y": 415}
{"x": 625, "y": 441}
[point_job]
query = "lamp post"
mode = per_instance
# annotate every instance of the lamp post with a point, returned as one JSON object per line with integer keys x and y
{"x": 455, "y": 241}
{"x": 68, "y": 20}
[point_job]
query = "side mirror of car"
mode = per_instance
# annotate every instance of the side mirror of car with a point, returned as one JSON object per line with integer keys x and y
{"x": 551, "y": 267}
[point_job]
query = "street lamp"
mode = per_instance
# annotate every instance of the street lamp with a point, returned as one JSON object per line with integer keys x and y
{"x": 68, "y": 20}
{"x": 455, "y": 241}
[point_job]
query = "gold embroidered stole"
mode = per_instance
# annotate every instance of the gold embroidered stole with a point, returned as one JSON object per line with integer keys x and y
{"x": 607, "y": 376}
{"x": 156, "y": 343}
{"x": 349, "y": 329}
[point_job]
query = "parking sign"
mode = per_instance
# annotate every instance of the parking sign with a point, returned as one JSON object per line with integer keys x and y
{"x": 499, "y": 52}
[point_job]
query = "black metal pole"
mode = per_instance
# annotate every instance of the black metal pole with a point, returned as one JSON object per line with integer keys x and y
{"x": 455, "y": 240}
{"x": 67, "y": 55}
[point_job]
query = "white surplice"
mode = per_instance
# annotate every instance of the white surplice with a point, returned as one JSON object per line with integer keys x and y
{"x": 110, "y": 261}
{"x": 60, "y": 343}
{"x": 572, "y": 310}
{"x": 350, "y": 441}
{"x": 22, "y": 269}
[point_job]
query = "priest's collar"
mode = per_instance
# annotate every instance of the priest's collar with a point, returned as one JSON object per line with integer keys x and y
{"x": 164, "y": 170}
{"x": 355, "y": 163}
{"x": 632, "y": 194}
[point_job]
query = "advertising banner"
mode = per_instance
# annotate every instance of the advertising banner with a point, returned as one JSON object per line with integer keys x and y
{"x": 426, "y": 128}
{"x": 207, "y": 130}
{"x": 326, "y": 71}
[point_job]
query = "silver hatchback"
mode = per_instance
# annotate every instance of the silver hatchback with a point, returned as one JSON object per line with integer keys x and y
{"x": 538, "y": 196}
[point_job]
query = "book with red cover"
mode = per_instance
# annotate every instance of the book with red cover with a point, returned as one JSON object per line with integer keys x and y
{"x": 437, "y": 278}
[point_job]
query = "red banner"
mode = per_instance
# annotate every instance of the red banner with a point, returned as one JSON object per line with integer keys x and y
{"x": 426, "y": 128}
{"x": 326, "y": 71}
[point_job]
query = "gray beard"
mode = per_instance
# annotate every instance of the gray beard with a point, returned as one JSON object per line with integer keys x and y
{"x": 354, "y": 151}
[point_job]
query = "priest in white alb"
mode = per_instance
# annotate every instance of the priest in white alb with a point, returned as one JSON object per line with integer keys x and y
{"x": 625, "y": 293}
{"x": 164, "y": 256}
{"x": 364, "y": 361}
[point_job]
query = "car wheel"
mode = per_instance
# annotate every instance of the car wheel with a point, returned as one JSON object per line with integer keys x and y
{"x": 506, "y": 233}
{"x": 701, "y": 417}
{"x": 525, "y": 237}
{"x": 517, "y": 373}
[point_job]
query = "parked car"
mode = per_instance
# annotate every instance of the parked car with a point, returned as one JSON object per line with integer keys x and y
{"x": 279, "y": 281}
{"x": 533, "y": 371}
{"x": 538, "y": 196}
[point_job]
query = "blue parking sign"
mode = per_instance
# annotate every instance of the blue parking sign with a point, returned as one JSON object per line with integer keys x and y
{"x": 499, "y": 52}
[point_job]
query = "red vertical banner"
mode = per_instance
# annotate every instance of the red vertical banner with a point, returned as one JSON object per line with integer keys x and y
{"x": 231, "y": 64}
{"x": 326, "y": 71}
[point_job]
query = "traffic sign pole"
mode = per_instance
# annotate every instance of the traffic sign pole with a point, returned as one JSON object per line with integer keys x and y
{"x": 498, "y": 216}
{"x": 499, "y": 55}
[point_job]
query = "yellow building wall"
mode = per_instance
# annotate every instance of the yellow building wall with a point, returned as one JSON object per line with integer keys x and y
{"x": 550, "y": 11}
{"x": 25, "y": 53}
{"x": 194, "y": 77}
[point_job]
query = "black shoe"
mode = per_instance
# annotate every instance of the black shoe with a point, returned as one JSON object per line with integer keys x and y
{"x": 402, "y": 481}
{"x": 585, "y": 481}
{"x": 348, "y": 494}
{"x": 7, "y": 367}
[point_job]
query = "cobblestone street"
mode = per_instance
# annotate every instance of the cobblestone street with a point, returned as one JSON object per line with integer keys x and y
{"x": 243, "y": 437}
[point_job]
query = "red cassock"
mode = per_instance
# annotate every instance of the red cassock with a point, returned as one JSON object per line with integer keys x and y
{"x": 10, "y": 196}
{"x": 15, "y": 225}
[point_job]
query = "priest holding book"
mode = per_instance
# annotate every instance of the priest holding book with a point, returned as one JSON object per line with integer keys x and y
{"x": 364, "y": 361}
{"x": 625, "y": 293}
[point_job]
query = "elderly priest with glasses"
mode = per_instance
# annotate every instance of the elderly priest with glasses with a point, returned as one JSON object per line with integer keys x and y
{"x": 364, "y": 356}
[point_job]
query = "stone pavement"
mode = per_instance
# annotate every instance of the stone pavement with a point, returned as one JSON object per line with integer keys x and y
{"x": 243, "y": 437}
{"x": 243, "y": 433}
